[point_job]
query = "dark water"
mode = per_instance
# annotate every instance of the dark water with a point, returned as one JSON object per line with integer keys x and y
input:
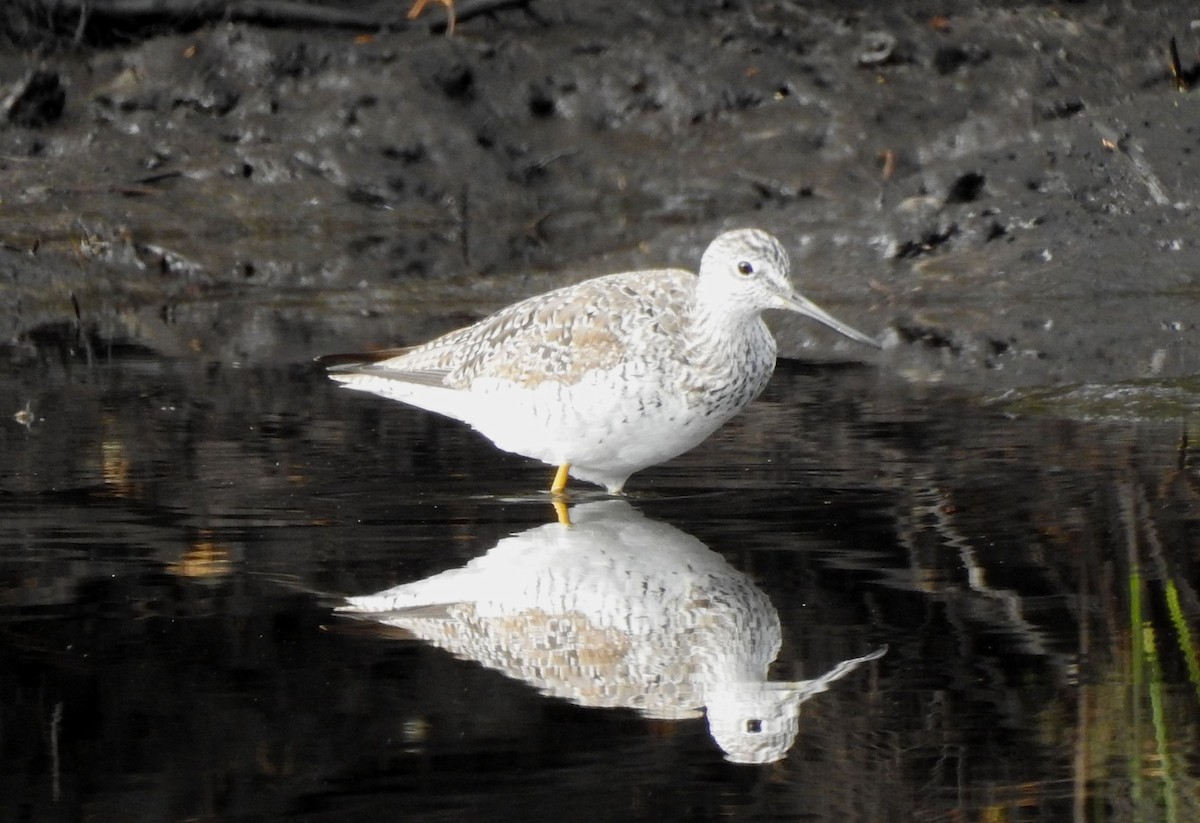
{"x": 174, "y": 543}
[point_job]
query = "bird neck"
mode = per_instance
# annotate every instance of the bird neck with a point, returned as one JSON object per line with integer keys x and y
{"x": 718, "y": 314}
{"x": 722, "y": 338}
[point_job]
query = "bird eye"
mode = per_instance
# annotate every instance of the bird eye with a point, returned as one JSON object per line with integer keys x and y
{"x": 745, "y": 268}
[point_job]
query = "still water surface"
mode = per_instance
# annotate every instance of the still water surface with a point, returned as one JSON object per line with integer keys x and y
{"x": 177, "y": 546}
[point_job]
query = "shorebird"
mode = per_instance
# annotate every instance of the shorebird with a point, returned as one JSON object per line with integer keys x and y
{"x": 606, "y": 377}
{"x": 617, "y": 611}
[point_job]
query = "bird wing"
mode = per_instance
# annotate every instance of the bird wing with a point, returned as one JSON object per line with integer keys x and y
{"x": 377, "y": 364}
{"x": 556, "y": 336}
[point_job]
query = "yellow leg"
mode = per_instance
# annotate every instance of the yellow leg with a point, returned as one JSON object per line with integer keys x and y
{"x": 559, "y": 486}
{"x": 560, "y": 510}
{"x": 419, "y": 6}
{"x": 558, "y": 493}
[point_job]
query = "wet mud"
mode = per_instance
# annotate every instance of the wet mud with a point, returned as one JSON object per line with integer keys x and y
{"x": 1006, "y": 193}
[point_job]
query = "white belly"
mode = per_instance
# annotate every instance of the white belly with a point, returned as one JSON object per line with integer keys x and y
{"x": 607, "y": 424}
{"x": 602, "y": 433}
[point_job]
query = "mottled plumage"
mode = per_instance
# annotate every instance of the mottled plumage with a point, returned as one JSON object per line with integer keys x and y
{"x": 618, "y": 611}
{"x": 610, "y": 375}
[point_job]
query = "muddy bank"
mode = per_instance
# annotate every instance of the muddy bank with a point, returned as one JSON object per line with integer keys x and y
{"x": 1006, "y": 194}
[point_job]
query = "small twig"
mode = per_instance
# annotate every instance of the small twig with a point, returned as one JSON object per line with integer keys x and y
{"x": 1181, "y": 83}
{"x": 419, "y": 7}
{"x": 275, "y": 12}
{"x": 1132, "y": 152}
{"x": 466, "y": 9}
{"x": 81, "y": 26}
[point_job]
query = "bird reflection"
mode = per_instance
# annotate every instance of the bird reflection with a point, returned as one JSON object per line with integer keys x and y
{"x": 617, "y": 611}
